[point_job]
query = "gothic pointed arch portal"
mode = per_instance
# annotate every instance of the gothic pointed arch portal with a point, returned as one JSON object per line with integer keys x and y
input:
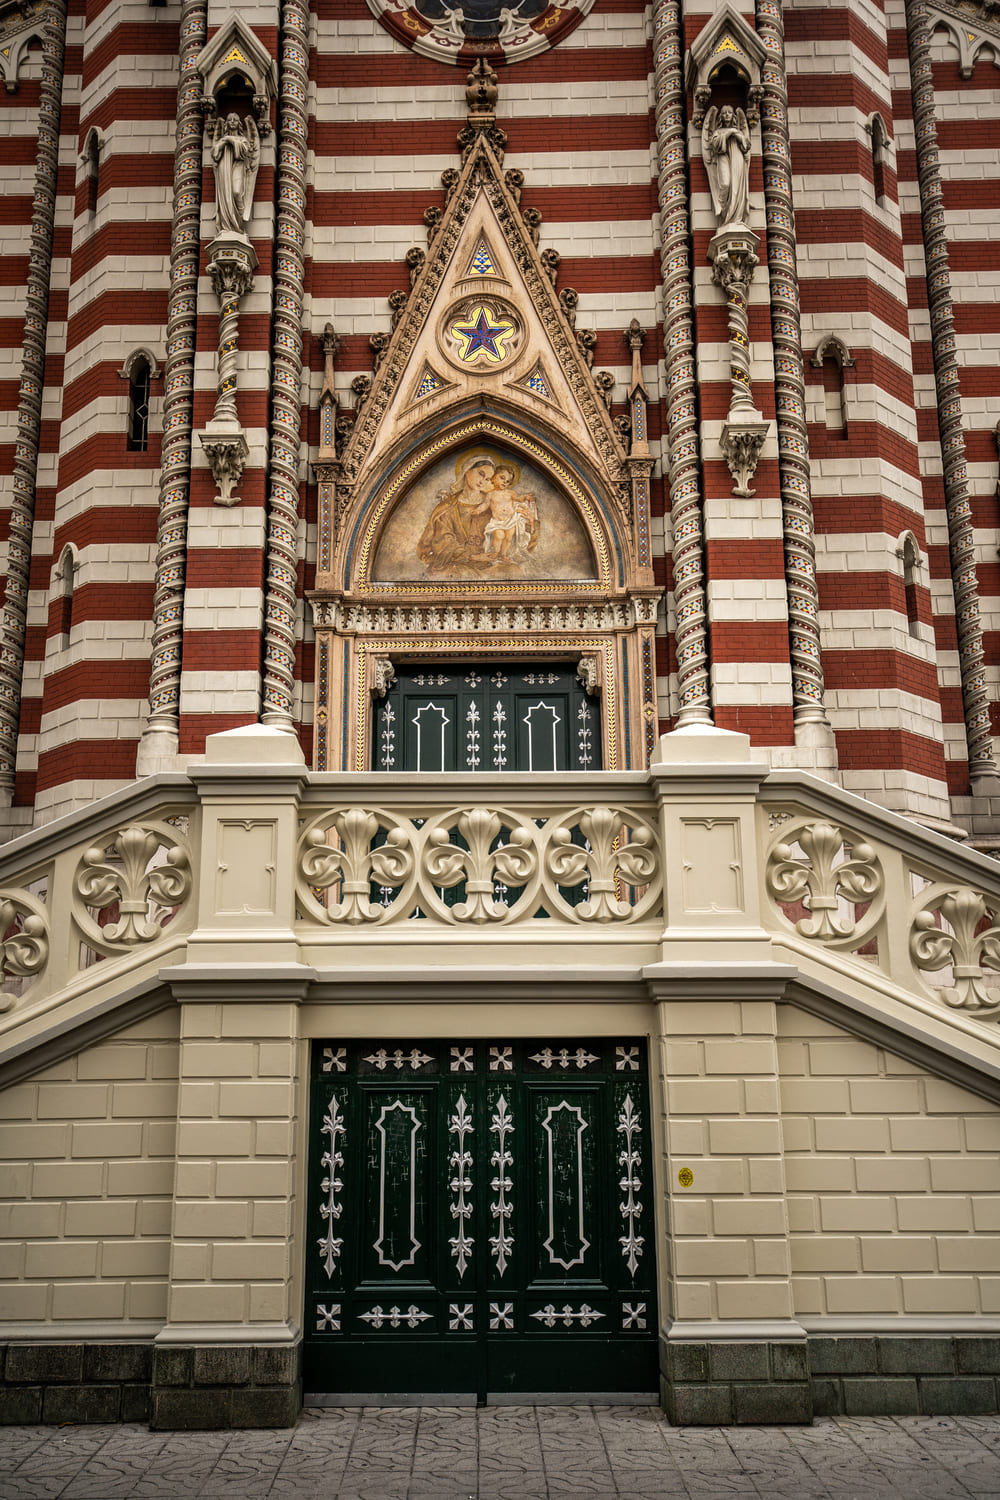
{"x": 483, "y": 508}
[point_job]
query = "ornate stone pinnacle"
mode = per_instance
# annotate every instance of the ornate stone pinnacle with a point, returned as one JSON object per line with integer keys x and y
{"x": 482, "y": 93}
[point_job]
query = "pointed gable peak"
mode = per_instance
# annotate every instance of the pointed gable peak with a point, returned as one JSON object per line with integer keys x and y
{"x": 483, "y": 320}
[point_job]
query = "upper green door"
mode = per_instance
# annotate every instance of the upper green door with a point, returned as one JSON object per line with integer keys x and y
{"x": 480, "y": 1220}
{"x": 487, "y": 718}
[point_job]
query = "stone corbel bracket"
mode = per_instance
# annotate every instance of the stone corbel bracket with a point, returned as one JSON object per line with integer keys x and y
{"x": 227, "y": 451}
{"x": 236, "y": 53}
{"x": 742, "y": 441}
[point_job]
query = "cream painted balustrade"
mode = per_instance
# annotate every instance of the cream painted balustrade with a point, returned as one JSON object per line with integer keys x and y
{"x": 93, "y": 906}
{"x": 904, "y": 922}
{"x": 707, "y": 859}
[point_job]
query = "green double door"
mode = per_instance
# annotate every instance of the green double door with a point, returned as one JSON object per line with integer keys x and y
{"x": 487, "y": 718}
{"x": 480, "y": 1220}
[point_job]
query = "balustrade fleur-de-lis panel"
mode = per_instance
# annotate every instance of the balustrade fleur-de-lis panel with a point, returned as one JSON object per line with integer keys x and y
{"x": 480, "y": 1218}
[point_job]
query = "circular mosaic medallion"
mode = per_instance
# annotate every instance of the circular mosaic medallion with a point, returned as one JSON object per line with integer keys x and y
{"x": 459, "y": 31}
{"x": 481, "y": 333}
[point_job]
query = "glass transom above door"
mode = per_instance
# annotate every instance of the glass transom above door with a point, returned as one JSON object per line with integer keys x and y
{"x": 487, "y": 718}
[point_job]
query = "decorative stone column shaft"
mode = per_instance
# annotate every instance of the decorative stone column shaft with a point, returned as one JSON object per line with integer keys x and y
{"x": 678, "y": 334}
{"x": 975, "y": 700}
{"x": 786, "y": 335}
{"x": 232, "y": 262}
{"x": 159, "y": 738}
{"x": 29, "y": 409}
{"x": 289, "y": 274}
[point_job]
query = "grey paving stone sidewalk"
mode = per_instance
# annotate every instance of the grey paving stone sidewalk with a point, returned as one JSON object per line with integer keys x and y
{"x": 509, "y": 1453}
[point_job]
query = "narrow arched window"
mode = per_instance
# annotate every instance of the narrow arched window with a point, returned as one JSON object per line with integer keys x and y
{"x": 911, "y": 579}
{"x": 139, "y": 376}
{"x": 92, "y": 168}
{"x": 834, "y": 403}
{"x": 880, "y": 145}
{"x": 61, "y": 617}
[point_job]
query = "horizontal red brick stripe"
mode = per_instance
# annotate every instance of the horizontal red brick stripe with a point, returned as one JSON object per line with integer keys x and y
{"x": 868, "y": 669}
{"x": 890, "y": 749}
{"x": 87, "y": 760}
{"x": 194, "y": 728}
{"x": 765, "y": 725}
{"x": 152, "y": 38}
{"x": 224, "y": 567}
{"x": 101, "y": 524}
{"x": 113, "y": 600}
{"x": 745, "y": 559}
{"x": 222, "y": 650}
{"x": 843, "y": 294}
{"x": 387, "y": 72}
{"x": 437, "y": 137}
{"x": 749, "y": 640}
{"x": 127, "y": 678}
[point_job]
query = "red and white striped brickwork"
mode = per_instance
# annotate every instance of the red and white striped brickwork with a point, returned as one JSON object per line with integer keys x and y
{"x": 579, "y": 122}
{"x": 882, "y": 690}
{"x": 226, "y": 549}
{"x": 744, "y": 558}
{"x": 967, "y": 111}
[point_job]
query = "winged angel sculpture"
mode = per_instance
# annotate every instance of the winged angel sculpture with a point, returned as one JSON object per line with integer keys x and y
{"x": 236, "y": 157}
{"x": 725, "y": 145}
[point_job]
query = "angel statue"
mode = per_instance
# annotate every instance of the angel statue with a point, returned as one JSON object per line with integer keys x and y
{"x": 236, "y": 157}
{"x": 725, "y": 144}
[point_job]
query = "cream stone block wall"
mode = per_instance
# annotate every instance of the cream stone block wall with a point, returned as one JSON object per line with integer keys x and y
{"x": 233, "y": 1256}
{"x": 728, "y": 1235}
{"x": 87, "y": 1148}
{"x": 893, "y": 1180}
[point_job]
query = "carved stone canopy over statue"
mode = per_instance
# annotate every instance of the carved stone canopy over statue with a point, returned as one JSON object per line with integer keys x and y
{"x": 235, "y": 157}
{"x": 725, "y": 142}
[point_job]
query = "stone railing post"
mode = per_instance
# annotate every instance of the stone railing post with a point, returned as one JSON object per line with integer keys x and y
{"x": 228, "y": 1353}
{"x": 732, "y": 1350}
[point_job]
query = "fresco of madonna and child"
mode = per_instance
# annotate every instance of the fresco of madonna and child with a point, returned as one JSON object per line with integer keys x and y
{"x": 482, "y": 516}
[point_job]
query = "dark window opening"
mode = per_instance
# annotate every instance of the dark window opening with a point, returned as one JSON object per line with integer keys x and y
{"x": 138, "y": 407}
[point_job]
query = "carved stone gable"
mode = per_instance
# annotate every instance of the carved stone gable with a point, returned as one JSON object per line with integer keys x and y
{"x": 482, "y": 326}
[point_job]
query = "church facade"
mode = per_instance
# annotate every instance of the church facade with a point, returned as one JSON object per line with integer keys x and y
{"x": 498, "y": 708}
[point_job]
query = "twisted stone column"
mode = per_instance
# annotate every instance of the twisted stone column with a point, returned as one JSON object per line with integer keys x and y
{"x": 289, "y": 275}
{"x": 29, "y": 409}
{"x": 678, "y": 336}
{"x": 786, "y": 335}
{"x": 975, "y": 700}
{"x": 159, "y": 738}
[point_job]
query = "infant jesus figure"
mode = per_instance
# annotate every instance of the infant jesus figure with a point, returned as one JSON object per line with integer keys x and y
{"x": 513, "y": 523}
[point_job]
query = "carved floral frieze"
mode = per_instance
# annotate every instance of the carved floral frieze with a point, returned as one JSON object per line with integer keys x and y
{"x": 585, "y": 865}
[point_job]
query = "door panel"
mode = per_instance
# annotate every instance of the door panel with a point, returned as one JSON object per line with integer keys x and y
{"x": 480, "y": 1221}
{"x": 487, "y": 719}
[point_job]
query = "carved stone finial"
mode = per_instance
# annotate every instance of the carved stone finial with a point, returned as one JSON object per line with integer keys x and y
{"x": 449, "y": 181}
{"x": 550, "y": 260}
{"x": 587, "y": 340}
{"x": 605, "y": 382}
{"x": 379, "y": 343}
{"x": 397, "y": 301}
{"x": 569, "y": 301}
{"x": 533, "y": 220}
{"x": 415, "y": 259}
{"x": 514, "y": 181}
{"x": 482, "y": 93}
{"x": 360, "y": 385}
{"x": 623, "y": 427}
{"x": 432, "y": 218}
{"x": 635, "y": 337}
{"x": 330, "y": 344}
